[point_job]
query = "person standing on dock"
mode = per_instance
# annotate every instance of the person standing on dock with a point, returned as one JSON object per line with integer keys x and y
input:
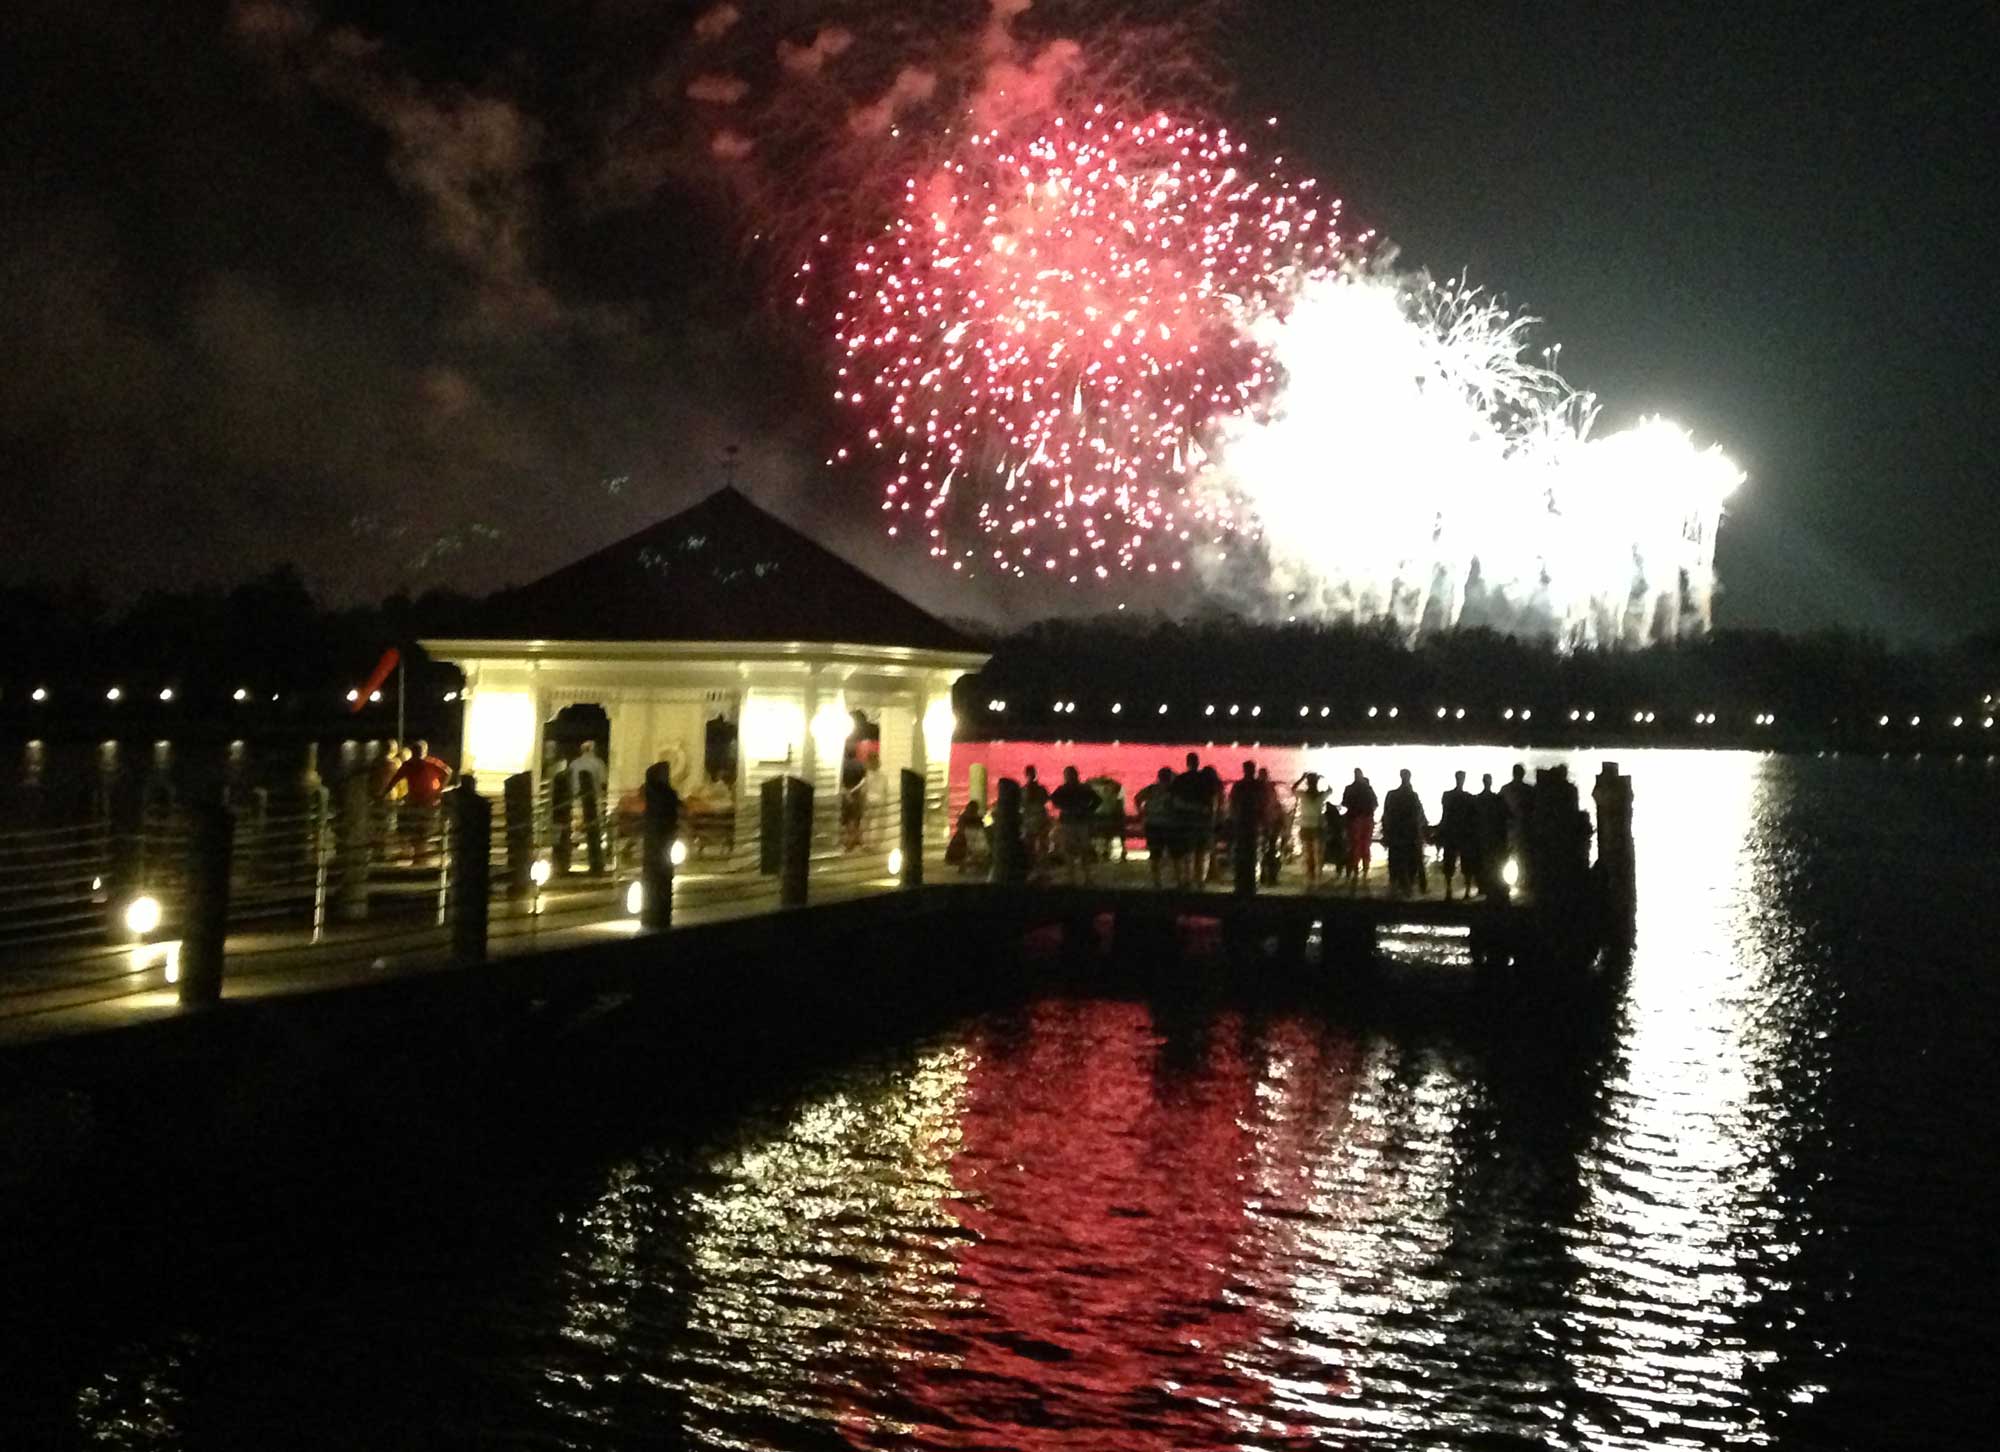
{"x": 1403, "y": 829}
{"x": 1489, "y": 820}
{"x": 1034, "y": 818}
{"x": 1358, "y": 803}
{"x": 1309, "y": 807}
{"x": 1520, "y": 800}
{"x": 1075, "y": 805}
{"x": 1458, "y": 835}
{"x": 1190, "y": 812}
{"x": 587, "y": 776}
{"x": 1155, "y": 804}
{"x": 425, "y": 776}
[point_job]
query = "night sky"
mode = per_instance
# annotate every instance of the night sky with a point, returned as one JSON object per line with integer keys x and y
{"x": 353, "y": 290}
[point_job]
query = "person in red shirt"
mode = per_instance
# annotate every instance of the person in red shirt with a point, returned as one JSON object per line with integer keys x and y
{"x": 426, "y": 776}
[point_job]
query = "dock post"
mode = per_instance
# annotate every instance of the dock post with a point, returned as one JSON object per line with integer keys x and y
{"x": 1616, "y": 864}
{"x": 771, "y": 826}
{"x": 656, "y": 867}
{"x": 1010, "y": 867}
{"x": 357, "y": 831}
{"x": 797, "y": 853}
{"x": 211, "y": 843}
{"x": 1243, "y": 840}
{"x": 913, "y": 828}
{"x": 471, "y": 870}
{"x": 517, "y": 794}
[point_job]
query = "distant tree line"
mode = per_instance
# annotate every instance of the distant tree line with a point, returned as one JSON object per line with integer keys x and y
{"x": 1806, "y": 681}
{"x": 267, "y": 636}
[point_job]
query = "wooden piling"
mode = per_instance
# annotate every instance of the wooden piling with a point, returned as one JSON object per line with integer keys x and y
{"x": 913, "y": 828}
{"x": 211, "y": 845}
{"x": 662, "y": 826}
{"x": 771, "y": 826}
{"x": 796, "y": 856}
{"x": 518, "y": 792}
{"x": 471, "y": 870}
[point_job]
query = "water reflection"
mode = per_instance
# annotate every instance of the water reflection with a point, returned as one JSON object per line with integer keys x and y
{"x": 1099, "y": 1223}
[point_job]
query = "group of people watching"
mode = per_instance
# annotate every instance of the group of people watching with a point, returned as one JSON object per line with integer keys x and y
{"x": 1190, "y": 821}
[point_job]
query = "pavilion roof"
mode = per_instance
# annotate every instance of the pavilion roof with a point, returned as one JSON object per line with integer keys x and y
{"x": 723, "y": 569}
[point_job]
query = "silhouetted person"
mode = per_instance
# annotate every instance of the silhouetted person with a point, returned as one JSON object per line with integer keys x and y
{"x": 1204, "y": 842}
{"x": 1458, "y": 834}
{"x": 1403, "y": 828}
{"x": 1358, "y": 806}
{"x": 1190, "y": 808}
{"x": 1034, "y": 817}
{"x": 1309, "y": 800}
{"x": 1155, "y": 805}
{"x": 1489, "y": 819}
{"x": 587, "y": 778}
{"x": 425, "y": 776}
{"x": 1075, "y": 805}
{"x": 968, "y": 847}
{"x": 1270, "y": 827}
{"x": 1520, "y": 800}
{"x": 562, "y": 813}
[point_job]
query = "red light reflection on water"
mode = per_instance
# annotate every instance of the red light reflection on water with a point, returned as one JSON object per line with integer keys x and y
{"x": 1133, "y": 1220}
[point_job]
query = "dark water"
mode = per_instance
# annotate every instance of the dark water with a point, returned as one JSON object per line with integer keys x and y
{"x": 1754, "y": 1206}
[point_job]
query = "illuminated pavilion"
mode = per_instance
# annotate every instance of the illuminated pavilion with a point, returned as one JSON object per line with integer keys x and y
{"x": 722, "y": 612}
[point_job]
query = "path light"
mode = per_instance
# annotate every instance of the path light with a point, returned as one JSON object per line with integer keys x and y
{"x": 1207, "y": 710}
{"x": 678, "y": 853}
{"x": 1987, "y": 724}
{"x": 635, "y": 897}
{"x": 142, "y": 915}
{"x": 1233, "y": 709}
{"x": 1638, "y": 718}
{"x": 1508, "y": 714}
{"x": 1650, "y": 718}
{"x": 1441, "y": 713}
{"x": 996, "y": 706}
{"x": 1256, "y": 710}
{"x": 1305, "y": 710}
{"x": 895, "y": 862}
{"x": 1510, "y": 873}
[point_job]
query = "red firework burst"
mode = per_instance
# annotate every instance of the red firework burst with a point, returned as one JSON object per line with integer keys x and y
{"x": 1039, "y": 341}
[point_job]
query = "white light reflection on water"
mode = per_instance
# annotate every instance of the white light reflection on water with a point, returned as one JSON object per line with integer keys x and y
{"x": 1680, "y": 1232}
{"x": 810, "y": 1249}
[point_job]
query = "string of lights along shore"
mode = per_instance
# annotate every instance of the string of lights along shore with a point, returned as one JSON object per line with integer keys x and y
{"x": 1084, "y": 333}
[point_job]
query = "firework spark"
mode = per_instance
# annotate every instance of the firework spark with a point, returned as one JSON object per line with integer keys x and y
{"x": 1043, "y": 335}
